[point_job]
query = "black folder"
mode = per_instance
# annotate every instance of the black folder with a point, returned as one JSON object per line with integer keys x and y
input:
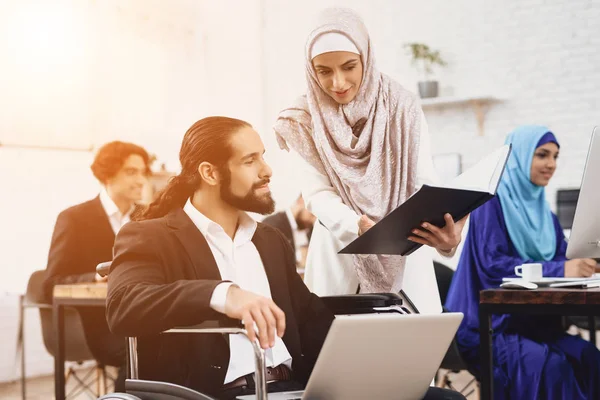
{"x": 429, "y": 204}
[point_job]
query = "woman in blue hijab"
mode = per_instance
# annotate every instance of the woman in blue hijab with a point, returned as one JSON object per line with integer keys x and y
{"x": 533, "y": 357}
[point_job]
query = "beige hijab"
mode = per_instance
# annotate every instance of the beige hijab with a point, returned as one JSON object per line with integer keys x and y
{"x": 367, "y": 148}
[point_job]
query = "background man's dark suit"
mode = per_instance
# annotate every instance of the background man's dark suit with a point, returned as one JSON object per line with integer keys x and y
{"x": 163, "y": 275}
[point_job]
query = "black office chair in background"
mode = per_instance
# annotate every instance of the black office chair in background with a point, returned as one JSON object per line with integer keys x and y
{"x": 566, "y": 204}
{"x": 453, "y": 362}
{"x": 76, "y": 347}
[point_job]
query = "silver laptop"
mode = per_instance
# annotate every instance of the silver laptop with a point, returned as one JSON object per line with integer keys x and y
{"x": 584, "y": 241}
{"x": 378, "y": 356}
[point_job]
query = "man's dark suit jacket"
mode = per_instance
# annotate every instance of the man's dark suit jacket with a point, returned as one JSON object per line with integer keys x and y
{"x": 163, "y": 276}
{"x": 83, "y": 238}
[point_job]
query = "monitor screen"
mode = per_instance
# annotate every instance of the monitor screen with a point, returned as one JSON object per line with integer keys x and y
{"x": 584, "y": 241}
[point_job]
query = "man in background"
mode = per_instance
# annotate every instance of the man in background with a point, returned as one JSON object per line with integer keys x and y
{"x": 84, "y": 236}
{"x": 296, "y": 223}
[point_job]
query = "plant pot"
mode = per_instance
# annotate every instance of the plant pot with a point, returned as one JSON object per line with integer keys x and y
{"x": 428, "y": 89}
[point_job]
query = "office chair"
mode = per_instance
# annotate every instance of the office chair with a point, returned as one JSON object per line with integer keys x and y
{"x": 76, "y": 348}
{"x": 453, "y": 362}
{"x": 566, "y": 203}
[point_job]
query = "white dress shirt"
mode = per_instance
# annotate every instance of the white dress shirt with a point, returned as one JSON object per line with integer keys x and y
{"x": 116, "y": 218}
{"x": 238, "y": 261}
{"x": 329, "y": 273}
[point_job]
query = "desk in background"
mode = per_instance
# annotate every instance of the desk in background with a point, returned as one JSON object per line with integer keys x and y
{"x": 93, "y": 294}
{"x": 565, "y": 302}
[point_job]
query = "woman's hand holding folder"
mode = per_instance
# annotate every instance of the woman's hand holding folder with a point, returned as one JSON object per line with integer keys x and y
{"x": 444, "y": 239}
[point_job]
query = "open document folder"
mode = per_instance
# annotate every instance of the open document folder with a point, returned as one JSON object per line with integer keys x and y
{"x": 429, "y": 204}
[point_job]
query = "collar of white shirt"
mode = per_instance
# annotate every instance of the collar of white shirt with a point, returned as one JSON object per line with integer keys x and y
{"x": 110, "y": 208}
{"x": 292, "y": 220}
{"x": 245, "y": 231}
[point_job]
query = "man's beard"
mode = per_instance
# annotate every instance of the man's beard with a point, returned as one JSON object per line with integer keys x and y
{"x": 250, "y": 202}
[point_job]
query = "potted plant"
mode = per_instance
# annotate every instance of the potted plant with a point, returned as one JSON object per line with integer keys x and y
{"x": 424, "y": 59}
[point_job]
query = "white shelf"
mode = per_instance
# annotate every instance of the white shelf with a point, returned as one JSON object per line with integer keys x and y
{"x": 455, "y": 100}
{"x": 479, "y": 104}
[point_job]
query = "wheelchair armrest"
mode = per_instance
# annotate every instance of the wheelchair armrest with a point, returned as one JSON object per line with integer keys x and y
{"x": 361, "y": 303}
{"x": 222, "y": 326}
{"x": 119, "y": 396}
{"x": 103, "y": 268}
{"x": 152, "y": 390}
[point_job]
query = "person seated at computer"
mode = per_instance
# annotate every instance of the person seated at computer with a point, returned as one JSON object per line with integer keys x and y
{"x": 195, "y": 255}
{"x": 534, "y": 357}
{"x": 84, "y": 236}
{"x": 296, "y": 223}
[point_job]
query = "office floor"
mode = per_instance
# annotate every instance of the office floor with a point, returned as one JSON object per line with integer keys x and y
{"x": 42, "y": 388}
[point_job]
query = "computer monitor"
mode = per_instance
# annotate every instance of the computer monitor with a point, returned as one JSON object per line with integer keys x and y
{"x": 584, "y": 241}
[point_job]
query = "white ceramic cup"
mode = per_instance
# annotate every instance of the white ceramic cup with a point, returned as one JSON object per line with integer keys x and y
{"x": 529, "y": 272}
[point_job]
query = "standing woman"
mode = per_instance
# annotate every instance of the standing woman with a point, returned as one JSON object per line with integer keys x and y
{"x": 364, "y": 148}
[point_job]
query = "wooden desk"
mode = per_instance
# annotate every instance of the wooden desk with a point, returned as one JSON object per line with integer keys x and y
{"x": 565, "y": 302}
{"x": 92, "y": 294}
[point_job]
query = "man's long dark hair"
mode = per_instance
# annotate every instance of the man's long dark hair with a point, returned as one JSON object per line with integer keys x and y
{"x": 206, "y": 141}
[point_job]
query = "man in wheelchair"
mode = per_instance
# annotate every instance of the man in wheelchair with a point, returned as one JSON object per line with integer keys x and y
{"x": 177, "y": 264}
{"x": 194, "y": 255}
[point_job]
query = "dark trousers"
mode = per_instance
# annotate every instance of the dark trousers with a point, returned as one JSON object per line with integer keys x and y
{"x": 433, "y": 393}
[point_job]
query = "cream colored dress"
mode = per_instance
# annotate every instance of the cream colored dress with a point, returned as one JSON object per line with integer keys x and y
{"x": 328, "y": 273}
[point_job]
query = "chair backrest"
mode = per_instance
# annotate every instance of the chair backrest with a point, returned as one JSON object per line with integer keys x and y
{"x": 443, "y": 276}
{"x": 453, "y": 360}
{"x": 566, "y": 203}
{"x": 35, "y": 289}
{"x": 76, "y": 348}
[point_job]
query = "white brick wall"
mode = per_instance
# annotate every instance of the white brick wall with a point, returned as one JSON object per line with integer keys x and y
{"x": 541, "y": 55}
{"x": 38, "y": 361}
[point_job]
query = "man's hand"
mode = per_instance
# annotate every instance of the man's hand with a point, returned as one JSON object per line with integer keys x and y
{"x": 254, "y": 309}
{"x": 444, "y": 239}
{"x": 99, "y": 278}
{"x": 580, "y": 268}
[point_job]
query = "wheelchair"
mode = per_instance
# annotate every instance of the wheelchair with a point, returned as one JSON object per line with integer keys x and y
{"x": 139, "y": 389}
